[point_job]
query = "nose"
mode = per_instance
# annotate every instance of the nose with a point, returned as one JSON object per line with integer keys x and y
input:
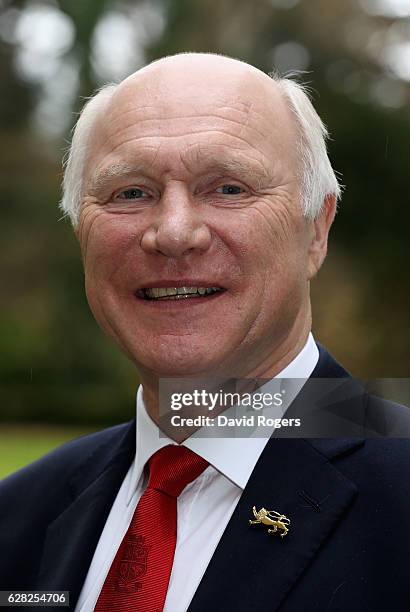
{"x": 178, "y": 227}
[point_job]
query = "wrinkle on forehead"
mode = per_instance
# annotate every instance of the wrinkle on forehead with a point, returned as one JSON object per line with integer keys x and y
{"x": 195, "y": 84}
{"x": 187, "y": 95}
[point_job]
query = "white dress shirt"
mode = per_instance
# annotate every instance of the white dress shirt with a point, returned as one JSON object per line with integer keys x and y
{"x": 204, "y": 507}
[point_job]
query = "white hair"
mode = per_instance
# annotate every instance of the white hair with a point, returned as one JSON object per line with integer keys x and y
{"x": 318, "y": 179}
{"x": 77, "y": 154}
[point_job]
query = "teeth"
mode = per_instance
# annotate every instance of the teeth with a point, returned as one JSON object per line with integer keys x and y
{"x": 175, "y": 293}
{"x": 164, "y": 291}
{"x": 185, "y": 290}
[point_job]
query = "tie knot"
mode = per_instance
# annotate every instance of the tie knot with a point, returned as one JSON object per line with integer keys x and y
{"x": 173, "y": 467}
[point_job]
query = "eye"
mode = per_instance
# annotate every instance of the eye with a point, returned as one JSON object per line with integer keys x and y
{"x": 230, "y": 189}
{"x": 132, "y": 193}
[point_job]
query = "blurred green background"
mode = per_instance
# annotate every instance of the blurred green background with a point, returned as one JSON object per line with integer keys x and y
{"x": 60, "y": 376}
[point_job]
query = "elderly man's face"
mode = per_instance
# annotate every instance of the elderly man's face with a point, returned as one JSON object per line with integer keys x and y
{"x": 192, "y": 181}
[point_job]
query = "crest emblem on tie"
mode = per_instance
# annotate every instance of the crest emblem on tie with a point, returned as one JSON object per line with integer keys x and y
{"x": 133, "y": 565}
{"x": 277, "y": 523}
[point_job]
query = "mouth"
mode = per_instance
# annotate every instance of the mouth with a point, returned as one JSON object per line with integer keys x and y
{"x": 174, "y": 293}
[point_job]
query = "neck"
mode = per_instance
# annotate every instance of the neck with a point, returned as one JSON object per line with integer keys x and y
{"x": 267, "y": 368}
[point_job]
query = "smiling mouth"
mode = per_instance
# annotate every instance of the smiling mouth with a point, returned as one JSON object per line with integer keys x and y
{"x": 177, "y": 293}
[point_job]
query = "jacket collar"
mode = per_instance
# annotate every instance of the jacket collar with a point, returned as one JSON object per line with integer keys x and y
{"x": 72, "y": 537}
{"x": 328, "y": 368}
{"x": 294, "y": 477}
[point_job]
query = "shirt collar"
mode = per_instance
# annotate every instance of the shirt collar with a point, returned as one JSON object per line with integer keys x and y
{"x": 236, "y": 457}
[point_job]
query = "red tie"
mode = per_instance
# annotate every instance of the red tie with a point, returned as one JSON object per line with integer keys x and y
{"x": 139, "y": 575}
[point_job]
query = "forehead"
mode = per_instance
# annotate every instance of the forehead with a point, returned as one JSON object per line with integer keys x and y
{"x": 236, "y": 110}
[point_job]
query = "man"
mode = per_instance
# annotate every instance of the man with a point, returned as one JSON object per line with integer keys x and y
{"x": 202, "y": 197}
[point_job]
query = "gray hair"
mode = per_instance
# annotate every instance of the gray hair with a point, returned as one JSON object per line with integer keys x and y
{"x": 76, "y": 158}
{"x": 318, "y": 179}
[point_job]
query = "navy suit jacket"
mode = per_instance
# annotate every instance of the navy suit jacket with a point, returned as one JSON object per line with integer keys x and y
{"x": 348, "y": 548}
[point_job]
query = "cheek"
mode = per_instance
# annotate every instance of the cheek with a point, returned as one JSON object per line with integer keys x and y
{"x": 108, "y": 246}
{"x": 286, "y": 238}
{"x": 265, "y": 230}
{"x": 278, "y": 254}
{"x": 268, "y": 251}
{"x": 108, "y": 281}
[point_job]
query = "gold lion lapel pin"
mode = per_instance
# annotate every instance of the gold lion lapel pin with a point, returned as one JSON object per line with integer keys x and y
{"x": 278, "y": 523}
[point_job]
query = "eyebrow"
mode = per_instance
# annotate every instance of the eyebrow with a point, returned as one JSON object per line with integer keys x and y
{"x": 202, "y": 159}
{"x": 195, "y": 160}
{"x": 240, "y": 167}
{"x": 104, "y": 177}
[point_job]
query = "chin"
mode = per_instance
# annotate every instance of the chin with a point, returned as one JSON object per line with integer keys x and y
{"x": 170, "y": 364}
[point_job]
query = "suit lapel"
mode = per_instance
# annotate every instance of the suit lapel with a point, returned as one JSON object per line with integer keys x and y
{"x": 72, "y": 537}
{"x": 252, "y": 570}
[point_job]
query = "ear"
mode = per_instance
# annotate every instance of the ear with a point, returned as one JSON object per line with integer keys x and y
{"x": 320, "y": 231}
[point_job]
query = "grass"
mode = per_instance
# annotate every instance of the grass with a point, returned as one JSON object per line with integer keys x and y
{"x": 22, "y": 444}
